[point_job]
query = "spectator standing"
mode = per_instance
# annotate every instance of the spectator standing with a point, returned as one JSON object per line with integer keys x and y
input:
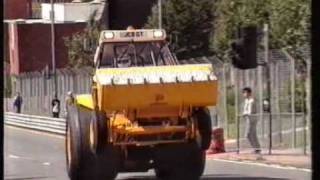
{"x": 249, "y": 109}
{"x": 55, "y": 107}
{"x": 17, "y": 103}
{"x": 69, "y": 100}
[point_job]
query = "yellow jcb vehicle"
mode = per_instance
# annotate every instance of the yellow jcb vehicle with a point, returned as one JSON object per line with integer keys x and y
{"x": 145, "y": 111}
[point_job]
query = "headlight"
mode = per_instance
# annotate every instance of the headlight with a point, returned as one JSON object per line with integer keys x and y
{"x": 158, "y": 34}
{"x": 108, "y": 35}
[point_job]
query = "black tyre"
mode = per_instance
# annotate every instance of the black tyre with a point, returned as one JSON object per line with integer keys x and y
{"x": 98, "y": 132}
{"x": 82, "y": 164}
{"x": 78, "y": 155}
{"x": 205, "y": 127}
{"x": 184, "y": 161}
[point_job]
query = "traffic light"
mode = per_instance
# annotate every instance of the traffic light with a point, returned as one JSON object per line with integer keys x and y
{"x": 244, "y": 49}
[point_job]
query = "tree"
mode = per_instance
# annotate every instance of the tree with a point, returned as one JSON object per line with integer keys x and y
{"x": 288, "y": 20}
{"x": 81, "y": 46}
{"x": 188, "y": 23}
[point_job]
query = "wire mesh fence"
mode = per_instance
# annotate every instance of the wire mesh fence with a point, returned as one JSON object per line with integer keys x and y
{"x": 284, "y": 133}
{"x": 288, "y": 101}
{"x": 288, "y": 97}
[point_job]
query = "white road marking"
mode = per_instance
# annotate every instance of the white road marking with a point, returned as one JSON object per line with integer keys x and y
{"x": 36, "y": 132}
{"x": 46, "y": 163}
{"x": 14, "y": 156}
{"x": 264, "y": 165}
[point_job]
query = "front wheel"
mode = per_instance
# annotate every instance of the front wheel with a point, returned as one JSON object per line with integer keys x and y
{"x": 98, "y": 132}
{"x": 80, "y": 161}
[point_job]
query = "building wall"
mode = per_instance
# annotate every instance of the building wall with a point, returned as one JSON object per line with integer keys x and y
{"x": 13, "y": 48}
{"x": 5, "y": 43}
{"x": 31, "y": 45}
{"x": 17, "y": 9}
{"x": 70, "y": 11}
{"x": 36, "y": 6}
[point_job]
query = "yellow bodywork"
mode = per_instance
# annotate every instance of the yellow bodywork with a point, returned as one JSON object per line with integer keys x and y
{"x": 147, "y": 95}
{"x": 85, "y": 100}
{"x": 127, "y": 101}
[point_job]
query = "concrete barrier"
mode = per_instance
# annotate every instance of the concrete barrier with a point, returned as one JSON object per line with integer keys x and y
{"x": 40, "y": 123}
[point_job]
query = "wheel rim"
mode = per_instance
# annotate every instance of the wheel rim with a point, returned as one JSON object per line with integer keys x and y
{"x": 92, "y": 136}
{"x": 69, "y": 154}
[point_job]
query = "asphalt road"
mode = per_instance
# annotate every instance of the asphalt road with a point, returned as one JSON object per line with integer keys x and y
{"x": 34, "y": 155}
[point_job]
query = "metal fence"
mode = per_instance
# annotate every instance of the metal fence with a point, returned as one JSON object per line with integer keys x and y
{"x": 288, "y": 96}
{"x": 282, "y": 135}
{"x": 288, "y": 101}
{"x": 37, "y": 90}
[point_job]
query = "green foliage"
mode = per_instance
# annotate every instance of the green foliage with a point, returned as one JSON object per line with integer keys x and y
{"x": 289, "y": 21}
{"x": 81, "y": 46}
{"x": 231, "y": 105}
{"x": 300, "y": 93}
{"x": 189, "y": 23}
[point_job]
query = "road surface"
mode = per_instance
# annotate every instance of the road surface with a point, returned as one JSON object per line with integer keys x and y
{"x": 34, "y": 155}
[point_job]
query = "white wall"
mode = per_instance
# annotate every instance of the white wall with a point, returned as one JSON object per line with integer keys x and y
{"x": 58, "y": 8}
{"x": 70, "y": 11}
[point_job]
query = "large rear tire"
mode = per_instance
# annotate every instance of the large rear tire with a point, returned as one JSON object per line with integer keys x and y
{"x": 80, "y": 160}
{"x": 205, "y": 126}
{"x": 82, "y": 164}
{"x": 98, "y": 132}
{"x": 181, "y": 161}
{"x": 108, "y": 155}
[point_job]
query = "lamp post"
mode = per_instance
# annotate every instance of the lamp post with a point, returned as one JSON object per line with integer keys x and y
{"x": 53, "y": 54}
{"x": 160, "y": 14}
{"x": 268, "y": 64}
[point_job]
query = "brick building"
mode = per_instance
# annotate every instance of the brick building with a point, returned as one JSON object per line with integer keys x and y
{"x": 17, "y": 9}
{"x": 30, "y": 44}
{"x": 28, "y": 41}
{"x": 36, "y": 6}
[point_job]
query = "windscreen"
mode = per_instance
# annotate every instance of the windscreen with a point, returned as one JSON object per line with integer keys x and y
{"x": 119, "y": 55}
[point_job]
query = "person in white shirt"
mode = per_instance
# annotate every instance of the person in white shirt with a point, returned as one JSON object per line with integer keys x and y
{"x": 249, "y": 109}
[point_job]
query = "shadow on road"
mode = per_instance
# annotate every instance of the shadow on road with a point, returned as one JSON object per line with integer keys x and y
{"x": 211, "y": 177}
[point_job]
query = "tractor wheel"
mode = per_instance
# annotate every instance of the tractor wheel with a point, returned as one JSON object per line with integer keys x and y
{"x": 82, "y": 164}
{"x": 79, "y": 158}
{"x": 184, "y": 161}
{"x": 204, "y": 124}
{"x": 108, "y": 155}
{"x": 98, "y": 132}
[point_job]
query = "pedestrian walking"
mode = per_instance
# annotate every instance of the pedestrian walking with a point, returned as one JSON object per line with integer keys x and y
{"x": 55, "y": 107}
{"x": 17, "y": 103}
{"x": 249, "y": 109}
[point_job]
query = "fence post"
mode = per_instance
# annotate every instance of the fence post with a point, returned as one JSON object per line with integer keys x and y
{"x": 268, "y": 64}
{"x": 308, "y": 99}
{"x": 260, "y": 90}
{"x": 236, "y": 74}
{"x": 293, "y": 101}
{"x": 277, "y": 100}
{"x": 225, "y": 100}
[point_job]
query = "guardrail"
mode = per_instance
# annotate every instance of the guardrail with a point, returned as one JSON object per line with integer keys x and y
{"x": 40, "y": 123}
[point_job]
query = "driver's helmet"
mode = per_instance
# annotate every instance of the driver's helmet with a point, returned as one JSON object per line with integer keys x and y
{"x": 124, "y": 61}
{"x": 130, "y": 28}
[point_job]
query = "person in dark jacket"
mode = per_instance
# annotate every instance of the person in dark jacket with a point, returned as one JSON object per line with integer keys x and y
{"x": 55, "y": 103}
{"x": 17, "y": 103}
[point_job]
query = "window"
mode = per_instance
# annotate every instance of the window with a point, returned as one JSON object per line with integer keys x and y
{"x": 135, "y": 54}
